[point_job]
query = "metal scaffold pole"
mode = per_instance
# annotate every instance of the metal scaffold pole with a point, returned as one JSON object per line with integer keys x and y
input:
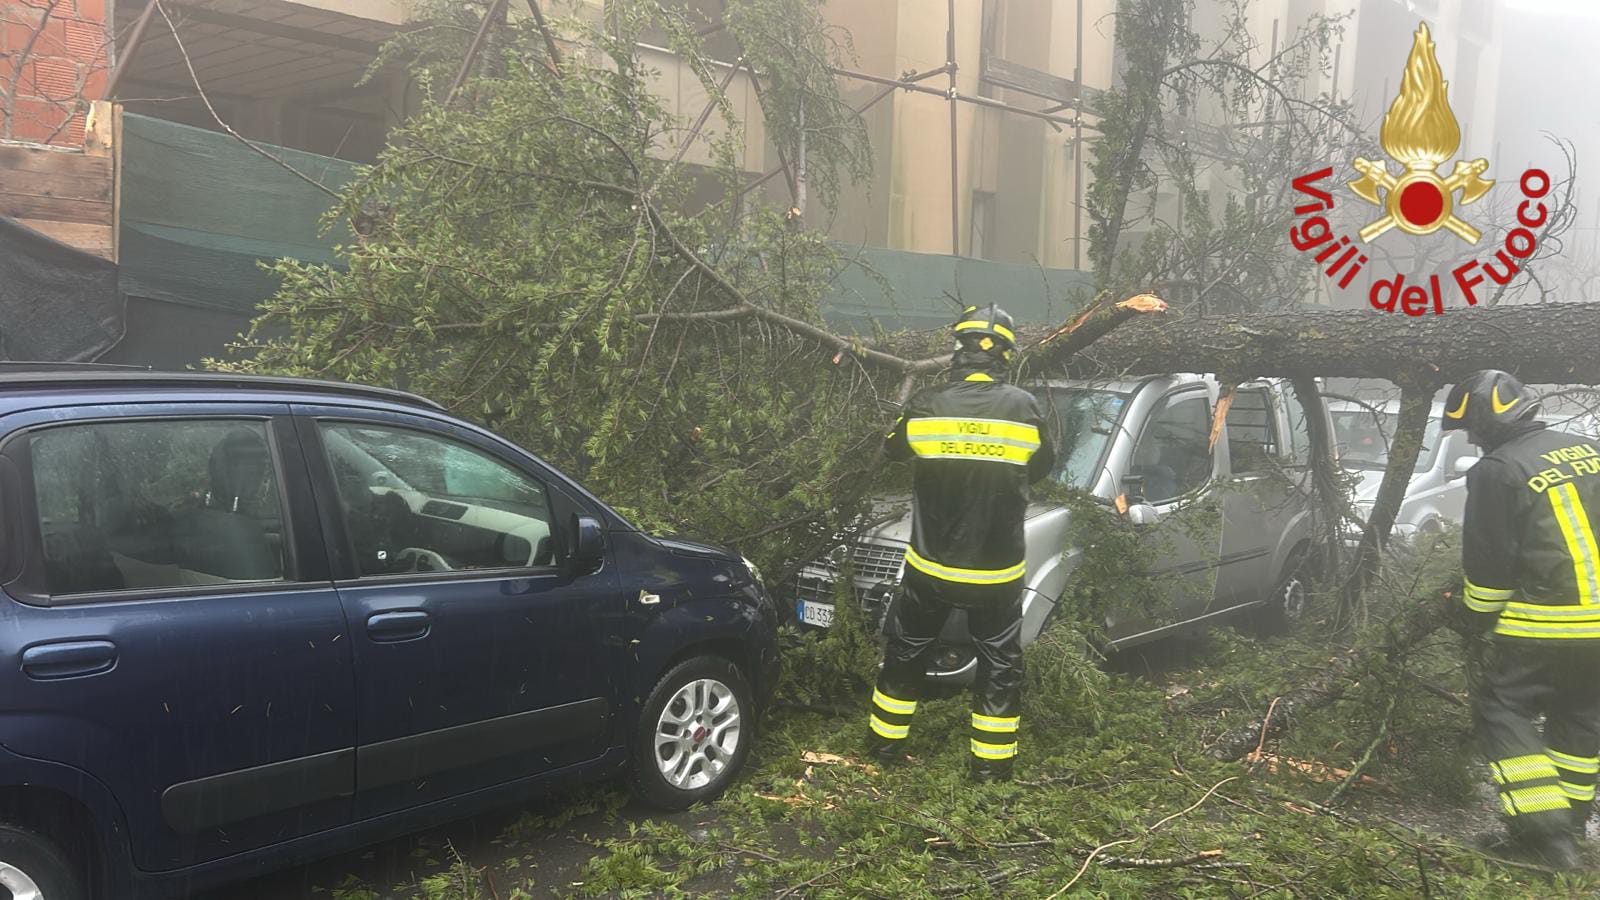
{"x": 955, "y": 172}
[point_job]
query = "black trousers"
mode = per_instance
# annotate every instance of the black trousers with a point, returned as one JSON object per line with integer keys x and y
{"x": 994, "y": 619}
{"x": 1546, "y": 781}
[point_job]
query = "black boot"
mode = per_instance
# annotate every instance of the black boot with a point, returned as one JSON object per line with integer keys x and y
{"x": 985, "y": 771}
{"x": 885, "y": 751}
{"x": 1579, "y": 821}
{"x": 1557, "y": 850}
{"x": 1546, "y": 840}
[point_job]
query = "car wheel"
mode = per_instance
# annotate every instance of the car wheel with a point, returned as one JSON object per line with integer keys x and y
{"x": 34, "y": 868}
{"x": 1286, "y": 606}
{"x": 694, "y": 734}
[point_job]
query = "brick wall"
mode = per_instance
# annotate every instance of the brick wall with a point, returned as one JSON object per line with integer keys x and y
{"x": 46, "y": 87}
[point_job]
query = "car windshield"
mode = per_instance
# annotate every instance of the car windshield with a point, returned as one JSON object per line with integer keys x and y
{"x": 1363, "y": 439}
{"x": 1082, "y": 422}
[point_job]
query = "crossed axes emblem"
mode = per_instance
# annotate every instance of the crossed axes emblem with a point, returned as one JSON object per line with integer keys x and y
{"x": 1467, "y": 178}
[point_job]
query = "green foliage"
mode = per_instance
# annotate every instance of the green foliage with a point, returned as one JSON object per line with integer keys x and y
{"x": 1224, "y": 247}
{"x": 838, "y": 664}
{"x": 529, "y": 259}
{"x": 816, "y": 826}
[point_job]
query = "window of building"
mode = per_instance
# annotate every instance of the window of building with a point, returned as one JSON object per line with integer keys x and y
{"x": 157, "y": 504}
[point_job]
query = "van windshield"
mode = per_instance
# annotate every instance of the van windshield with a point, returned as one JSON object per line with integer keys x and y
{"x": 1082, "y": 422}
{"x": 1363, "y": 439}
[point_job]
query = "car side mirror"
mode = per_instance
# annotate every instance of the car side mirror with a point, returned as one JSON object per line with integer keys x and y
{"x": 588, "y": 544}
{"x": 1133, "y": 489}
{"x": 1460, "y": 465}
{"x": 1142, "y": 514}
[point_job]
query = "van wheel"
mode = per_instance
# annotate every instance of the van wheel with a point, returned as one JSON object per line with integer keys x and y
{"x": 693, "y": 735}
{"x": 1286, "y": 606}
{"x": 34, "y": 868}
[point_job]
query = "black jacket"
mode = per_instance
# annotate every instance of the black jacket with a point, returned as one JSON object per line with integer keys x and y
{"x": 1528, "y": 544}
{"x": 977, "y": 443}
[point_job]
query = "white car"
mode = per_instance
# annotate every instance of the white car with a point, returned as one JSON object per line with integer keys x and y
{"x": 1437, "y": 493}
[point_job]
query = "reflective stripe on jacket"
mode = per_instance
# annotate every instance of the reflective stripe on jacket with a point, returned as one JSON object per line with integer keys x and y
{"x": 976, "y": 444}
{"x": 1528, "y": 542}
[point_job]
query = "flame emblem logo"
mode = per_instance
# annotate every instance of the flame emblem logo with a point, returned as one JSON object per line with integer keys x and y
{"x": 1420, "y": 132}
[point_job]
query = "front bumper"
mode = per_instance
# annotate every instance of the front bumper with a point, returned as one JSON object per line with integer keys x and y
{"x": 877, "y": 568}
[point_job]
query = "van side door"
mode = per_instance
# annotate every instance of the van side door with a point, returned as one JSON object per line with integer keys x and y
{"x": 1173, "y": 456}
{"x": 1262, "y": 497}
{"x": 172, "y": 630}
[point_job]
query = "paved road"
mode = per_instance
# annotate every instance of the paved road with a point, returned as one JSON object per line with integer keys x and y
{"x": 551, "y": 852}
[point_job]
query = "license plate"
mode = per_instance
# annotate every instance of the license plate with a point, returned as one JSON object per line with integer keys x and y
{"x": 813, "y": 613}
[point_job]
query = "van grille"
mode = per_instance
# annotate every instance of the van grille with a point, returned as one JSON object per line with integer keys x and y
{"x": 877, "y": 561}
{"x": 872, "y": 562}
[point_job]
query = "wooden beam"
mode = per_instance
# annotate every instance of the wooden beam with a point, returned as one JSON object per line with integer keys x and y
{"x": 97, "y": 239}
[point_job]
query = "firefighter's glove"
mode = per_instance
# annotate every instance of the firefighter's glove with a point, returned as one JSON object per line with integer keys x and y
{"x": 1471, "y": 624}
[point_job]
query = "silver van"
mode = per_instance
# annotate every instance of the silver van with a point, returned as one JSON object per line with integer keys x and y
{"x": 1436, "y": 495}
{"x": 1146, "y": 440}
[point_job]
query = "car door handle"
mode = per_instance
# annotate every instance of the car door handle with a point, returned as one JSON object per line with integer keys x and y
{"x": 68, "y": 659}
{"x": 391, "y": 627}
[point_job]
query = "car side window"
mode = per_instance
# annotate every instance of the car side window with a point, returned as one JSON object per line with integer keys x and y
{"x": 1298, "y": 453}
{"x": 1174, "y": 454}
{"x": 1252, "y": 433}
{"x": 157, "y": 504}
{"x": 420, "y": 502}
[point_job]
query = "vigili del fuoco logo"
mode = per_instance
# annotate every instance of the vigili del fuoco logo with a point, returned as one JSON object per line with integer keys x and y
{"x": 1420, "y": 133}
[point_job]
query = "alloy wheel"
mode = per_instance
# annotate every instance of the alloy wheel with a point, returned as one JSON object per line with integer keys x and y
{"x": 21, "y": 886}
{"x": 697, "y": 734}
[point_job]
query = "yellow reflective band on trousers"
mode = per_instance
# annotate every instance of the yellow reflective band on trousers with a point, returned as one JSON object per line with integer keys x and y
{"x": 1574, "y": 522}
{"x": 984, "y": 750}
{"x": 886, "y": 730}
{"x": 1538, "y": 799}
{"x": 1583, "y": 765}
{"x": 996, "y": 724}
{"x": 976, "y": 440}
{"x": 890, "y": 704}
{"x": 963, "y": 576}
{"x": 1482, "y": 599}
{"x": 1579, "y": 793}
{"x": 1522, "y": 768}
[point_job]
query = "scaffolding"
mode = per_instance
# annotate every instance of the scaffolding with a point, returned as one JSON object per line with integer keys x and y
{"x": 1062, "y": 94}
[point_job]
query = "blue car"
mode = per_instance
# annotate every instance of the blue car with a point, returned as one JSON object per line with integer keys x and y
{"x": 253, "y": 621}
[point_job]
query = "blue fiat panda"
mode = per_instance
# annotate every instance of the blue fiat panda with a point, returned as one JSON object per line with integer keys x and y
{"x": 253, "y": 621}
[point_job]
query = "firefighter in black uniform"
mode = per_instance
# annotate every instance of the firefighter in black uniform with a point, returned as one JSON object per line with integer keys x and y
{"x": 977, "y": 443}
{"x": 1532, "y": 572}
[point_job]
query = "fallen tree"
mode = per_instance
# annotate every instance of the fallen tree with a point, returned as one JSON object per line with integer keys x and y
{"x": 1415, "y": 623}
{"x": 1550, "y": 343}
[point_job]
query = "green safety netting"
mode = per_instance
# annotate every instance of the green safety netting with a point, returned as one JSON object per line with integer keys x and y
{"x": 199, "y": 210}
{"x": 925, "y": 286}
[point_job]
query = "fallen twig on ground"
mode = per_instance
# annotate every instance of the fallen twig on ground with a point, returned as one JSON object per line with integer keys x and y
{"x": 1153, "y": 828}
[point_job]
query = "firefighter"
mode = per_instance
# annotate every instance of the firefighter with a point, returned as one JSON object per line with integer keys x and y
{"x": 1532, "y": 572}
{"x": 976, "y": 444}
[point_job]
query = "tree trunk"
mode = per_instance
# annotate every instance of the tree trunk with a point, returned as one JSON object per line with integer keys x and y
{"x": 1324, "y": 479}
{"x": 1416, "y": 401}
{"x": 1543, "y": 344}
